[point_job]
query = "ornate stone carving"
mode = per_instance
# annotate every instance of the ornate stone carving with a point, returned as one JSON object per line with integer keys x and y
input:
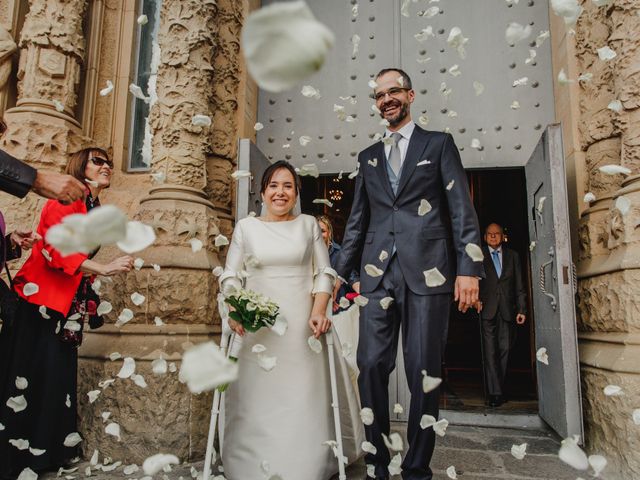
{"x": 7, "y": 48}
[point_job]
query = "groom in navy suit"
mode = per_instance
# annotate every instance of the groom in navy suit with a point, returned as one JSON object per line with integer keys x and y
{"x": 410, "y": 224}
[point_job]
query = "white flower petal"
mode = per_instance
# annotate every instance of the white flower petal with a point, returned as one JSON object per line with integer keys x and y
{"x": 433, "y": 277}
{"x": 20, "y": 443}
{"x": 36, "y": 452}
{"x": 221, "y": 241}
{"x": 201, "y": 120}
{"x": 585, "y": 77}
{"x": 43, "y": 310}
{"x": 283, "y": 44}
{"x": 137, "y": 300}
{"x": 520, "y": 82}
{"x": 204, "y": 367}
{"x": 366, "y": 415}
{"x": 361, "y": 300}
{"x": 393, "y": 441}
{"x": 450, "y": 185}
{"x": 159, "y": 366}
{"x": 304, "y": 140}
{"x": 623, "y": 204}
{"x": 138, "y": 263}
{"x": 597, "y": 462}
{"x": 125, "y": 316}
{"x": 429, "y": 383}
{"x": 128, "y": 368}
{"x": 519, "y": 451}
{"x": 72, "y": 439}
{"x": 17, "y": 404}
{"x": 30, "y": 288}
{"x": 386, "y": 302}
{"x": 372, "y": 270}
{"x": 515, "y": 105}
{"x": 93, "y": 395}
{"x": 457, "y": 41}
{"x": 139, "y": 380}
{"x": 563, "y": 79}
{"x": 158, "y": 321}
{"x": 196, "y": 244}
{"x": 310, "y": 92}
{"x": 138, "y": 237}
{"x": 113, "y": 429}
{"x": 373, "y": 162}
{"x": 383, "y": 255}
{"x": 424, "y": 207}
{"x": 309, "y": 169}
{"x": 395, "y": 465}
{"x": 258, "y": 126}
{"x": 516, "y": 33}
{"x": 59, "y": 106}
{"x": 613, "y": 390}
{"x": 589, "y": 197}
{"x": 440, "y": 427}
{"x": 280, "y": 326}
{"x": 369, "y": 447}
{"x": 266, "y": 362}
{"x": 21, "y": 383}
{"x": 605, "y": 53}
{"x": 107, "y": 90}
{"x": 451, "y": 472}
{"x": 397, "y": 408}
{"x": 478, "y": 87}
{"x": 615, "y": 105}
{"x": 474, "y": 252}
{"x": 427, "y": 421}
{"x": 104, "y": 307}
{"x": 614, "y": 170}
{"x": 423, "y": 120}
{"x": 157, "y": 462}
{"x": 324, "y": 201}
{"x": 142, "y": 20}
{"x": 28, "y": 474}
{"x": 137, "y": 92}
{"x": 571, "y": 454}
{"x": 115, "y": 356}
{"x": 542, "y": 356}
{"x": 314, "y": 344}
{"x": 567, "y": 9}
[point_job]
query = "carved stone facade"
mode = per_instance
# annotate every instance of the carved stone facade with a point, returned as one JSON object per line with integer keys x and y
{"x": 609, "y": 238}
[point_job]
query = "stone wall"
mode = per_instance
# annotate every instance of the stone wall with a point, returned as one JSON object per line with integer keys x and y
{"x": 607, "y": 238}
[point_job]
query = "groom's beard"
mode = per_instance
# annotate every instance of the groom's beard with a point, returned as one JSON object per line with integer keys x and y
{"x": 403, "y": 112}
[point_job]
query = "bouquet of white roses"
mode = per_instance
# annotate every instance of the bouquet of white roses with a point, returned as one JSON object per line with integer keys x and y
{"x": 252, "y": 310}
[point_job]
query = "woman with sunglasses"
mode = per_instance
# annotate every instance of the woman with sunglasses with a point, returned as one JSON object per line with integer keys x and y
{"x": 38, "y": 352}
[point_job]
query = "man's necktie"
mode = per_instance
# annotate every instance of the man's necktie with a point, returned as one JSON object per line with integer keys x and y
{"x": 496, "y": 262}
{"x": 395, "y": 160}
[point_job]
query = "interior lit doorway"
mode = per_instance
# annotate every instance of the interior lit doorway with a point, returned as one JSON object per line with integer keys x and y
{"x": 499, "y": 195}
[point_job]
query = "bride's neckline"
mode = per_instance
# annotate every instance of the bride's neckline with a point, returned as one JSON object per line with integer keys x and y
{"x": 279, "y": 221}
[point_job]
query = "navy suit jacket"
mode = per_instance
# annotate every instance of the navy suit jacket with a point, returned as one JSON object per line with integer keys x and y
{"x": 379, "y": 219}
{"x": 16, "y": 177}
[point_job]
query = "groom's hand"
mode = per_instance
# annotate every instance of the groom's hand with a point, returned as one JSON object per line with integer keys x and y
{"x": 466, "y": 292}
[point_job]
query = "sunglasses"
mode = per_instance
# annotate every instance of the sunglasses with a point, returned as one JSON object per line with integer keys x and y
{"x": 98, "y": 162}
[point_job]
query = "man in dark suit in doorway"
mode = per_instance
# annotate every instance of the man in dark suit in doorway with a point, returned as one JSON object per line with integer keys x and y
{"x": 504, "y": 302}
{"x": 411, "y": 222}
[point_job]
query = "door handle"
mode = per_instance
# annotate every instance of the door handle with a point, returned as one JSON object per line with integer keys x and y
{"x": 543, "y": 280}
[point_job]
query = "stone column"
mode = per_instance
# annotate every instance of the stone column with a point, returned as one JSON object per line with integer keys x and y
{"x": 608, "y": 315}
{"x": 51, "y": 54}
{"x": 177, "y": 282}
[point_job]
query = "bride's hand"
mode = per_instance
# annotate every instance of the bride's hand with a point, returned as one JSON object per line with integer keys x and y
{"x": 236, "y": 327}
{"x": 319, "y": 324}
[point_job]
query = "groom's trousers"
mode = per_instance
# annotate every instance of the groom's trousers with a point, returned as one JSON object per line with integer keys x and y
{"x": 424, "y": 320}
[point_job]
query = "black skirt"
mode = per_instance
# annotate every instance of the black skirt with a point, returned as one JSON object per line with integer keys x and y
{"x": 31, "y": 349}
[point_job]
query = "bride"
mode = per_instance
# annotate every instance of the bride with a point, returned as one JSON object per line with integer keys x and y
{"x": 276, "y": 421}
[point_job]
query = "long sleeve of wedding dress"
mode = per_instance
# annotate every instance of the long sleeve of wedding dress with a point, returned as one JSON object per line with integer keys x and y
{"x": 232, "y": 278}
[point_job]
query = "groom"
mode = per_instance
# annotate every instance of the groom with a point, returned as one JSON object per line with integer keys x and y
{"x": 411, "y": 219}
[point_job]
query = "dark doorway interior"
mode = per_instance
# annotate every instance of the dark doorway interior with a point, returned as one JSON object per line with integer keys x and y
{"x": 499, "y": 195}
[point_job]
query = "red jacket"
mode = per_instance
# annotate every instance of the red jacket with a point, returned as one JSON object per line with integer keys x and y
{"x": 57, "y": 276}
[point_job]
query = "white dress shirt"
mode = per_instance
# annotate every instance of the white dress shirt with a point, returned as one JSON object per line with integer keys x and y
{"x": 403, "y": 143}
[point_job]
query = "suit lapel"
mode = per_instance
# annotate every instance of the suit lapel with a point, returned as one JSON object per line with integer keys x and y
{"x": 381, "y": 168}
{"x": 417, "y": 145}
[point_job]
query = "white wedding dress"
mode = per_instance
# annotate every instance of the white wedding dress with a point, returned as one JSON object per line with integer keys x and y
{"x": 279, "y": 419}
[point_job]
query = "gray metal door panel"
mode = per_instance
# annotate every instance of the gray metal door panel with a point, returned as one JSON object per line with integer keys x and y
{"x": 560, "y": 403}
{"x": 248, "y": 189}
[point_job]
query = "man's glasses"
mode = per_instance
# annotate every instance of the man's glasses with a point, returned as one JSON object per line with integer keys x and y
{"x": 98, "y": 162}
{"x": 392, "y": 92}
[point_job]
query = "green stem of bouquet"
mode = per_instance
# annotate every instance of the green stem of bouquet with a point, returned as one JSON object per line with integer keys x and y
{"x": 223, "y": 387}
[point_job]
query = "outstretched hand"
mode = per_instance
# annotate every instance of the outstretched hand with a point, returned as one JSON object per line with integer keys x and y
{"x": 466, "y": 292}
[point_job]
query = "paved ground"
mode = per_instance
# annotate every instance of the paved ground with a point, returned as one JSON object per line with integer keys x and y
{"x": 476, "y": 453}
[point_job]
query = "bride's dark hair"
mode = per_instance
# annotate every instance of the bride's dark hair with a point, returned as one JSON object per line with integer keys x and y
{"x": 273, "y": 168}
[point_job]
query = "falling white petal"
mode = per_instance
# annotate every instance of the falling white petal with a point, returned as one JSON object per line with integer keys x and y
{"x": 138, "y": 263}
{"x": 516, "y": 33}
{"x": 221, "y": 241}
{"x": 571, "y": 454}
{"x": 43, "y": 310}
{"x": 519, "y": 451}
{"x": 115, "y": 356}
{"x": 531, "y": 58}
{"x": 569, "y": 10}
{"x": 455, "y": 70}
{"x": 142, "y": 20}
{"x": 314, "y": 344}
{"x": 589, "y": 197}
{"x": 93, "y": 395}
{"x": 383, "y": 255}
{"x": 310, "y": 92}
{"x": 605, "y": 53}
{"x": 324, "y": 201}
{"x": 204, "y": 367}
{"x": 266, "y": 362}
{"x": 386, "y": 302}
{"x": 136, "y": 91}
{"x": 137, "y": 299}
{"x": 238, "y": 174}
{"x": 113, "y": 429}
{"x": 158, "y": 177}
{"x": 478, "y": 87}
{"x": 344, "y": 302}
{"x": 398, "y": 409}
{"x": 30, "y": 288}
{"x": 541, "y": 354}
{"x": 258, "y": 126}
{"x": 304, "y": 140}
{"x": 474, "y": 251}
{"x": 72, "y": 439}
{"x": 157, "y": 462}
{"x": 623, "y": 204}
{"x": 125, "y": 316}
{"x": 158, "y": 321}
{"x": 201, "y": 120}
{"x": 614, "y": 170}
{"x": 615, "y": 105}
{"x": 59, "y": 106}
{"x": 20, "y": 443}
{"x": 562, "y": 78}
{"x": 369, "y": 447}
{"x": 138, "y": 237}
{"x": 309, "y": 169}
{"x": 395, "y": 465}
{"x": 27, "y": 474}
{"x": 431, "y": 12}
{"x": 21, "y": 383}
{"x": 361, "y": 300}
{"x": 393, "y": 441}
{"x": 585, "y": 77}
{"x": 613, "y": 390}
{"x": 440, "y": 427}
{"x": 17, "y": 404}
{"x": 597, "y": 462}
{"x": 283, "y": 44}
{"x": 159, "y": 366}
{"x": 457, "y": 41}
{"x": 450, "y": 185}
{"x": 139, "y": 380}
{"x": 451, "y": 472}
{"x": 475, "y": 143}
{"x": 280, "y": 326}
{"x": 424, "y": 34}
{"x": 515, "y": 105}
{"x": 366, "y": 415}
{"x": 355, "y": 40}
{"x": 128, "y": 368}
{"x": 36, "y": 452}
{"x": 423, "y": 120}
{"x": 433, "y": 277}
{"x": 107, "y": 90}
{"x": 424, "y": 207}
{"x": 373, "y": 162}
{"x": 521, "y": 82}
{"x": 258, "y": 348}
{"x": 429, "y": 383}
{"x": 372, "y": 270}
{"x": 635, "y": 415}
{"x": 542, "y": 36}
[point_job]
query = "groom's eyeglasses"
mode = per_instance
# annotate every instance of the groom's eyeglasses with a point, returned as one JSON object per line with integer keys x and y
{"x": 392, "y": 92}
